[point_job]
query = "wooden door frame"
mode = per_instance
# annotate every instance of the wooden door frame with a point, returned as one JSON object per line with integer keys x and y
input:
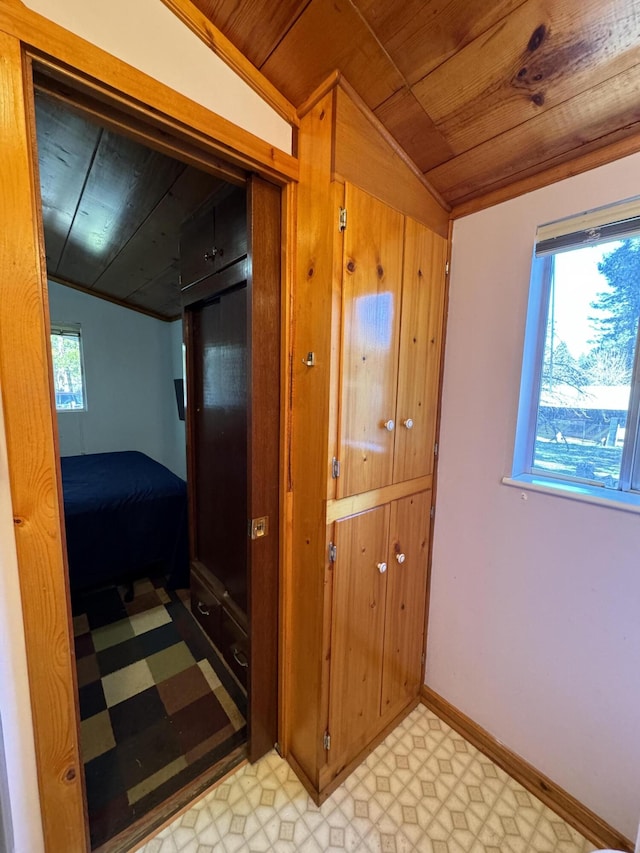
{"x": 25, "y": 369}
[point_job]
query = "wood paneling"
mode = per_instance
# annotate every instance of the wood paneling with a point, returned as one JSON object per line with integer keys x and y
{"x": 420, "y": 35}
{"x": 66, "y": 148}
{"x": 256, "y": 27}
{"x": 537, "y": 58}
{"x": 29, "y": 414}
{"x": 567, "y": 807}
{"x": 122, "y": 189}
{"x": 460, "y": 76}
{"x": 582, "y": 124}
{"x": 359, "y": 590}
{"x": 331, "y": 34}
{"x": 312, "y": 296}
{"x": 371, "y": 303}
{"x": 406, "y": 120}
{"x": 423, "y": 281}
{"x": 155, "y": 244}
{"x": 406, "y": 592}
{"x": 365, "y": 158}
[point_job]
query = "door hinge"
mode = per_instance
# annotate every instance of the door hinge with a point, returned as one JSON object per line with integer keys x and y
{"x": 333, "y": 552}
{"x": 432, "y": 512}
{"x": 435, "y": 449}
{"x": 335, "y": 468}
{"x": 446, "y": 268}
{"x": 326, "y": 741}
{"x": 342, "y": 219}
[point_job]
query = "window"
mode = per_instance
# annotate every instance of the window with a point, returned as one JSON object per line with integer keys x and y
{"x": 68, "y": 368}
{"x": 579, "y": 398}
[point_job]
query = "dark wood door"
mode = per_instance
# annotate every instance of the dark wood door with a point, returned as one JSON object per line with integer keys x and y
{"x": 232, "y": 332}
{"x": 220, "y": 440}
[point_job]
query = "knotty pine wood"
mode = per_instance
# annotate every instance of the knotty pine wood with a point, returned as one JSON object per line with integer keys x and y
{"x": 405, "y": 119}
{"x": 567, "y": 807}
{"x": 357, "y": 633}
{"x": 405, "y": 602}
{"x": 371, "y": 304}
{"x": 423, "y": 284}
{"x": 142, "y": 95}
{"x": 310, "y": 388}
{"x": 27, "y": 395}
{"x": 582, "y": 124}
{"x": 254, "y": 28}
{"x": 337, "y": 509}
{"x": 322, "y": 39}
{"x": 420, "y": 35}
{"x": 365, "y": 158}
{"x": 535, "y": 59}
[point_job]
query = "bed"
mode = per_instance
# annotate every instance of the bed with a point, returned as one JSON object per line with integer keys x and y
{"x": 124, "y": 512}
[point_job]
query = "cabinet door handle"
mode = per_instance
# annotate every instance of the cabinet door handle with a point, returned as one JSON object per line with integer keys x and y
{"x": 389, "y": 425}
{"x": 202, "y": 609}
{"x": 400, "y": 557}
{"x": 382, "y": 568}
{"x": 408, "y": 423}
{"x": 211, "y": 256}
{"x": 240, "y": 658}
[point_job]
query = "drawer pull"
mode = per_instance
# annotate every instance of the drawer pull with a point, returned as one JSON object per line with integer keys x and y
{"x": 240, "y": 658}
{"x": 202, "y": 609}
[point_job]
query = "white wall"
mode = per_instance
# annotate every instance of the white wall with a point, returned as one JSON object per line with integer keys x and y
{"x": 129, "y": 371}
{"x": 147, "y": 36}
{"x": 534, "y": 625}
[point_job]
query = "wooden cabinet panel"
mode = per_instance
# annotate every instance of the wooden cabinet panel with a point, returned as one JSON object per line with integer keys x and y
{"x": 214, "y": 239}
{"x": 405, "y": 603}
{"x": 419, "y": 361}
{"x": 371, "y": 297}
{"x": 359, "y": 589}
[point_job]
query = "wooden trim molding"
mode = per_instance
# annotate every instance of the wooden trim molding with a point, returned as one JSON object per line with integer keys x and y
{"x": 576, "y": 166}
{"x": 82, "y": 63}
{"x": 575, "y": 813}
{"x": 344, "y": 507}
{"x": 29, "y": 413}
{"x": 199, "y": 24}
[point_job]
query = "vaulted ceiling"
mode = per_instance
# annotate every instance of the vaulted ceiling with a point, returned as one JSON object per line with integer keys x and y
{"x": 479, "y": 94}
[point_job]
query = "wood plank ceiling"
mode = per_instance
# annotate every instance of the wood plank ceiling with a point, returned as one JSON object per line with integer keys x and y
{"x": 479, "y": 94}
{"x": 112, "y": 210}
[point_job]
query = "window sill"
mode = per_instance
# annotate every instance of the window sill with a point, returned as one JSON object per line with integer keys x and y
{"x": 609, "y": 498}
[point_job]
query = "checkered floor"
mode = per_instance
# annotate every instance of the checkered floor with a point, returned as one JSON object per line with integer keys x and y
{"x": 157, "y": 705}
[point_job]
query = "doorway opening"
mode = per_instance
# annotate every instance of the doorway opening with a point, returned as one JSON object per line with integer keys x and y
{"x": 163, "y": 710}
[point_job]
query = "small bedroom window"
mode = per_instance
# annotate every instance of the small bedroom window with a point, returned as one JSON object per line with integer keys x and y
{"x": 580, "y": 392}
{"x": 68, "y": 368}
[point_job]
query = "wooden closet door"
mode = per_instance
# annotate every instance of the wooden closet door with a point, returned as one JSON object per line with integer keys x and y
{"x": 425, "y": 256}
{"x": 406, "y": 598}
{"x": 371, "y": 297}
{"x": 357, "y": 637}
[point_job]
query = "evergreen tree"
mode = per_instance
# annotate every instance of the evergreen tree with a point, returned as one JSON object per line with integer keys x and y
{"x": 620, "y": 301}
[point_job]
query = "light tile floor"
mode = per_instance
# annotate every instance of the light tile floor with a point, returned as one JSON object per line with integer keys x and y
{"x": 423, "y": 789}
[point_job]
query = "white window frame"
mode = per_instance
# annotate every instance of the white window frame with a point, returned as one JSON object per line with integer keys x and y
{"x": 74, "y": 330}
{"x": 588, "y": 228}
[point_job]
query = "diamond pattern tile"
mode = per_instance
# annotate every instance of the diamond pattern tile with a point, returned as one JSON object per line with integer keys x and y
{"x": 423, "y": 789}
